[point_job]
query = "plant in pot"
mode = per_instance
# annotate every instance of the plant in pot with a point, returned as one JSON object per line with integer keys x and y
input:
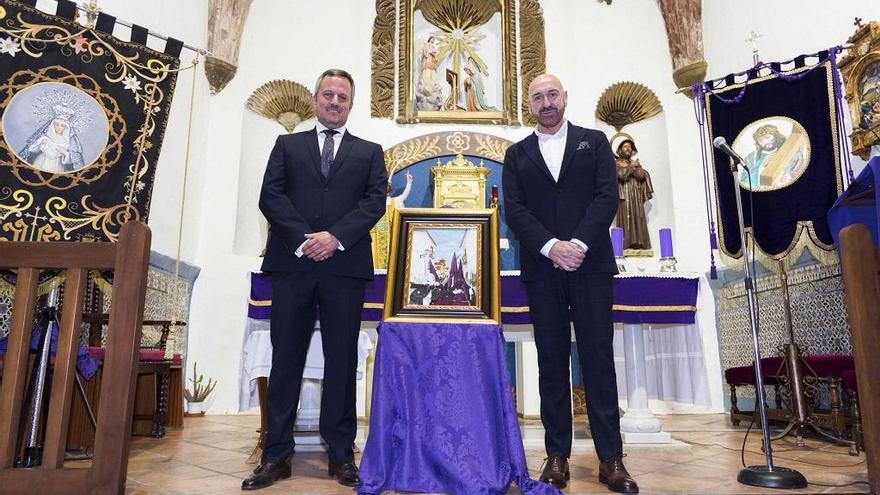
{"x": 199, "y": 392}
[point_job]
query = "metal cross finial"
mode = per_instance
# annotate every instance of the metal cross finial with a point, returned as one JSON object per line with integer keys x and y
{"x": 753, "y": 39}
{"x": 92, "y": 10}
{"x": 857, "y": 22}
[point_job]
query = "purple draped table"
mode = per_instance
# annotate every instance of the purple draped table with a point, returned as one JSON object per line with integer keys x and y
{"x": 648, "y": 298}
{"x": 638, "y": 298}
{"x": 442, "y": 417}
{"x": 655, "y": 298}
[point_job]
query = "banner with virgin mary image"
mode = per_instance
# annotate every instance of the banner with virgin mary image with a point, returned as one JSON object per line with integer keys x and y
{"x": 783, "y": 124}
{"x": 82, "y": 116}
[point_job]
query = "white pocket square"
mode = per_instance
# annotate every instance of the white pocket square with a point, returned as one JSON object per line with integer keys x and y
{"x": 583, "y": 145}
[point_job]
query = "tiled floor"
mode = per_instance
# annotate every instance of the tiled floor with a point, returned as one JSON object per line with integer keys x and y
{"x": 209, "y": 457}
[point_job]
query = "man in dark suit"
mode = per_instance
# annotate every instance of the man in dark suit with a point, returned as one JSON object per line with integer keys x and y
{"x": 322, "y": 192}
{"x": 560, "y": 196}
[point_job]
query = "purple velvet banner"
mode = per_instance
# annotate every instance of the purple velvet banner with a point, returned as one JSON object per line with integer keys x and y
{"x": 442, "y": 418}
{"x": 639, "y": 299}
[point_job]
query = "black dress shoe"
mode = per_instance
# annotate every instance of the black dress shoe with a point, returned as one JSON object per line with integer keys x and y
{"x": 556, "y": 471}
{"x": 266, "y": 474}
{"x": 346, "y": 473}
{"x": 613, "y": 473}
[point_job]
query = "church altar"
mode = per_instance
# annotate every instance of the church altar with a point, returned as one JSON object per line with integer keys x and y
{"x": 659, "y": 308}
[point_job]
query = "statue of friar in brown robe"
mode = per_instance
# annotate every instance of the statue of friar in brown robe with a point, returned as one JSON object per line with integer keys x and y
{"x": 634, "y": 183}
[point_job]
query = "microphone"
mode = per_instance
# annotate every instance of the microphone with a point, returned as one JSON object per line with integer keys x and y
{"x": 722, "y": 145}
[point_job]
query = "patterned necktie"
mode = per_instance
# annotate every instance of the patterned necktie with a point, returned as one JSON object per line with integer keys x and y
{"x": 327, "y": 151}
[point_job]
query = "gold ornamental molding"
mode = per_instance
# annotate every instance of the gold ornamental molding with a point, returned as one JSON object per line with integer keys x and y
{"x": 415, "y": 150}
{"x": 382, "y": 82}
{"x": 625, "y": 103}
{"x": 286, "y": 102}
{"x": 532, "y": 50}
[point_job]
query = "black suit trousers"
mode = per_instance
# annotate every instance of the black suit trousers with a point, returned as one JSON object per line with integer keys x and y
{"x": 586, "y": 300}
{"x": 296, "y": 300}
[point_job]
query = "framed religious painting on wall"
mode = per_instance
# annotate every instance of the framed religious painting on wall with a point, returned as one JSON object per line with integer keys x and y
{"x": 443, "y": 266}
{"x": 861, "y": 74}
{"x": 458, "y": 61}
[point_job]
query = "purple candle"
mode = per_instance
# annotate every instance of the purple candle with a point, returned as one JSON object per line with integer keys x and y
{"x": 666, "y": 243}
{"x": 617, "y": 241}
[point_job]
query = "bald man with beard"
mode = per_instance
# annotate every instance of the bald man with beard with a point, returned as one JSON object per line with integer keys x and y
{"x": 560, "y": 196}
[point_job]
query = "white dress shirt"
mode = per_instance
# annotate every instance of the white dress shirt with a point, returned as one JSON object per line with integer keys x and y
{"x": 552, "y": 148}
{"x": 337, "y": 140}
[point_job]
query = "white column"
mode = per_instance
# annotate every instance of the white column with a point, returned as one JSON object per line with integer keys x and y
{"x": 528, "y": 402}
{"x": 638, "y": 424}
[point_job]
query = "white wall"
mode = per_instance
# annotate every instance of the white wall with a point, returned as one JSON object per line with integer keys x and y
{"x": 590, "y": 46}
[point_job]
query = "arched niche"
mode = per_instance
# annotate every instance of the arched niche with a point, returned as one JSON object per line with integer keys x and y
{"x": 418, "y": 155}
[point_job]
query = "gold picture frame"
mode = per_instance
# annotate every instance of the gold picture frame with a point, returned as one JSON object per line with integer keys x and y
{"x": 458, "y": 62}
{"x": 444, "y": 266}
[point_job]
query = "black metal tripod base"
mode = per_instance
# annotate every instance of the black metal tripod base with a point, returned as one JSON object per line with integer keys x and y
{"x": 779, "y": 477}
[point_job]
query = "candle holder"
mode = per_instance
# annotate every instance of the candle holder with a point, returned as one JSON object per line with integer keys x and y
{"x": 667, "y": 264}
{"x": 621, "y": 263}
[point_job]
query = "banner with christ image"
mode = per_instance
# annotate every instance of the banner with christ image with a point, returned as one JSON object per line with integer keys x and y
{"x": 443, "y": 265}
{"x": 782, "y": 118}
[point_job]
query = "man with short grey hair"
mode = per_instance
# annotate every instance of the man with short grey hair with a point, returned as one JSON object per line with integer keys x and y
{"x": 322, "y": 191}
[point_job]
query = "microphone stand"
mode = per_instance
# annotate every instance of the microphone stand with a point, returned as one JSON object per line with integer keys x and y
{"x": 768, "y": 475}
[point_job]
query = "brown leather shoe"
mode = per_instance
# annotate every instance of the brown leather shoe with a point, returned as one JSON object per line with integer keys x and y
{"x": 613, "y": 473}
{"x": 555, "y": 471}
{"x": 346, "y": 473}
{"x": 267, "y": 474}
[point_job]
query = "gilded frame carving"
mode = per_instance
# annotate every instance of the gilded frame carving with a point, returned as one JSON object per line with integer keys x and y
{"x": 424, "y": 286}
{"x": 863, "y": 57}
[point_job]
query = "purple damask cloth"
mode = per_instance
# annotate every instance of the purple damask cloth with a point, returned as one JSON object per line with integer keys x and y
{"x": 260, "y": 302}
{"x": 85, "y": 363}
{"x": 442, "y": 417}
{"x": 655, "y": 299}
{"x": 640, "y": 299}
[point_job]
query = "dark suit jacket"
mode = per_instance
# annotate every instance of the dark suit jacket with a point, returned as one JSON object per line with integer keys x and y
{"x": 581, "y": 205}
{"x": 296, "y": 200}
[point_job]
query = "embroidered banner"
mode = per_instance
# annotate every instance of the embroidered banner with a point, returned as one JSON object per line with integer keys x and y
{"x": 83, "y": 115}
{"x": 783, "y": 123}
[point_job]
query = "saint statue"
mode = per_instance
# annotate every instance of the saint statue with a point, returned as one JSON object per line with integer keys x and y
{"x": 634, "y": 184}
{"x": 428, "y": 90}
{"x": 474, "y": 88}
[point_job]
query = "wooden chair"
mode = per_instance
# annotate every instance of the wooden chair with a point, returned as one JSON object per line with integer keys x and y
{"x": 128, "y": 258}
{"x": 152, "y": 361}
{"x": 860, "y": 262}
